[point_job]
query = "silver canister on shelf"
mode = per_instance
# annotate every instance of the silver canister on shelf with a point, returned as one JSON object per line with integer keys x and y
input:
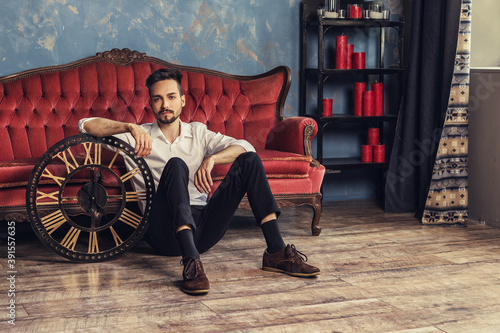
{"x": 374, "y": 5}
{"x": 331, "y": 5}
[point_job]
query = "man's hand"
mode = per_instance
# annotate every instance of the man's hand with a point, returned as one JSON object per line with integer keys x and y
{"x": 202, "y": 178}
{"x": 143, "y": 142}
{"x": 105, "y": 127}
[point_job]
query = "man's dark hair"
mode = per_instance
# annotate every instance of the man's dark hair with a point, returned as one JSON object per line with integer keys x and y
{"x": 164, "y": 74}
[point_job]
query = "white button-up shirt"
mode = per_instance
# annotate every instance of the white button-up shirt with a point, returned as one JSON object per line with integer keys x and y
{"x": 194, "y": 143}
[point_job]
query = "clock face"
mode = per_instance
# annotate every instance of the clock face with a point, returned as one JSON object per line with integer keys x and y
{"x": 81, "y": 202}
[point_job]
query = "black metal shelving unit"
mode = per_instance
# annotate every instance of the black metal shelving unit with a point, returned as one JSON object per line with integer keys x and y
{"x": 311, "y": 20}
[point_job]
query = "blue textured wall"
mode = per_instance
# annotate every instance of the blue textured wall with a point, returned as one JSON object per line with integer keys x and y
{"x": 233, "y": 36}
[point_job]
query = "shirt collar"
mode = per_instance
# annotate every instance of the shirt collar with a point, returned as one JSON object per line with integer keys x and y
{"x": 186, "y": 131}
{"x": 155, "y": 130}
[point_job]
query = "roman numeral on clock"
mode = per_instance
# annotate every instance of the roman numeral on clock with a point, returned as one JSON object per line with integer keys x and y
{"x": 70, "y": 164}
{"x": 42, "y": 195}
{"x": 130, "y": 174}
{"x": 135, "y": 196}
{"x": 69, "y": 241}
{"x": 93, "y": 244}
{"x": 46, "y": 173}
{"x": 130, "y": 218}
{"x": 116, "y": 238}
{"x": 53, "y": 221}
{"x": 88, "y": 153}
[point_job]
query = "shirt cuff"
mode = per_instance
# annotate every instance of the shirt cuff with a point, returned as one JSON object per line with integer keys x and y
{"x": 81, "y": 122}
{"x": 245, "y": 144}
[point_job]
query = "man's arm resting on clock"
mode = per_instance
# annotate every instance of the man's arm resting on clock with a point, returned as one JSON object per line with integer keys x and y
{"x": 105, "y": 127}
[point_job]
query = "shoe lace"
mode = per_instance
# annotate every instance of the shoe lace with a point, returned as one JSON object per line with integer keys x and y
{"x": 297, "y": 253}
{"x": 190, "y": 268}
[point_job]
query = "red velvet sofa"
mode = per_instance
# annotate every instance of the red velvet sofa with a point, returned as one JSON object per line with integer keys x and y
{"x": 39, "y": 107}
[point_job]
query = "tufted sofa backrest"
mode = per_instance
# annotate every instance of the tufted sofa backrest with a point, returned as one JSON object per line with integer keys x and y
{"x": 42, "y": 106}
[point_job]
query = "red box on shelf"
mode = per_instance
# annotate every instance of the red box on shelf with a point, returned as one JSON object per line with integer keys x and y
{"x": 358, "y": 61}
{"x": 373, "y": 136}
{"x": 366, "y": 153}
{"x": 327, "y": 107}
{"x": 378, "y": 95}
{"x": 341, "y": 52}
{"x": 379, "y": 153}
{"x": 368, "y": 104}
{"x": 350, "y": 52}
{"x": 359, "y": 88}
{"x": 355, "y": 11}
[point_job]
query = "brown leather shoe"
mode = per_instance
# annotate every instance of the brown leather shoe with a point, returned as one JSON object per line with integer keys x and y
{"x": 289, "y": 261}
{"x": 195, "y": 282}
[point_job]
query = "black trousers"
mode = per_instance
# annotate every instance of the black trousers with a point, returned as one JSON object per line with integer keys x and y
{"x": 171, "y": 209}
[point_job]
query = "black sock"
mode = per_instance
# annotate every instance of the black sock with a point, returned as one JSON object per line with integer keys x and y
{"x": 186, "y": 243}
{"x": 272, "y": 235}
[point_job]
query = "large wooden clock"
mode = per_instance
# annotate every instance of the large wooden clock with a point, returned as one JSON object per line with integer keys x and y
{"x": 81, "y": 203}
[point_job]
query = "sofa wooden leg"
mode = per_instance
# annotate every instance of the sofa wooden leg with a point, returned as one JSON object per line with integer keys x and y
{"x": 316, "y": 204}
{"x": 315, "y": 228}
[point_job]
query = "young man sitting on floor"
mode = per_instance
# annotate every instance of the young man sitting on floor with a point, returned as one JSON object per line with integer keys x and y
{"x": 181, "y": 157}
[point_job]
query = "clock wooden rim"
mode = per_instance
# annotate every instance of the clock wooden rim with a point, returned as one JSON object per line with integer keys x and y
{"x": 36, "y": 220}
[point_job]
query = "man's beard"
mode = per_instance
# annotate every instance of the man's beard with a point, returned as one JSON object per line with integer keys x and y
{"x": 166, "y": 121}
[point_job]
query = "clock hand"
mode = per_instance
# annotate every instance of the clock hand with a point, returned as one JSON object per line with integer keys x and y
{"x": 97, "y": 178}
{"x": 91, "y": 210}
{"x": 98, "y": 174}
{"x": 92, "y": 187}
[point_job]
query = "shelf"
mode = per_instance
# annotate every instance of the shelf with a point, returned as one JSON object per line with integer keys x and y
{"x": 316, "y": 77}
{"x": 347, "y": 118}
{"x": 366, "y": 71}
{"x": 355, "y": 23}
{"x": 351, "y": 163}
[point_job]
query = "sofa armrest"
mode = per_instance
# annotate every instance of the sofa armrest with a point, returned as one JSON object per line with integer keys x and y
{"x": 293, "y": 135}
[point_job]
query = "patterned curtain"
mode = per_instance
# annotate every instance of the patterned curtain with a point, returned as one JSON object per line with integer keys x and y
{"x": 447, "y": 199}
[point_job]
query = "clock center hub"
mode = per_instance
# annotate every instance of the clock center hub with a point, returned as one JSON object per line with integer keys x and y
{"x": 92, "y": 197}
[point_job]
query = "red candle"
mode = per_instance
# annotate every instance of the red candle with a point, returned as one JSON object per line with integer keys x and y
{"x": 368, "y": 103}
{"x": 366, "y": 153}
{"x": 373, "y": 136}
{"x": 327, "y": 107}
{"x": 359, "y": 60}
{"x": 350, "y": 51}
{"x": 341, "y": 52}
{"x": 379, "y": 154}
{"x": 378, "y": 90}
{"x": 355, "y": 11}
{"x": 359, "y": 88}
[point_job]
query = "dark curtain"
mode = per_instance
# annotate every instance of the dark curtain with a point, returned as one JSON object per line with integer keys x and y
{"x": 433, "y": 45}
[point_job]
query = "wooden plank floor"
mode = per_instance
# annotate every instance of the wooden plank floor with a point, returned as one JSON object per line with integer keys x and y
{"x": 380, "y": 273}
